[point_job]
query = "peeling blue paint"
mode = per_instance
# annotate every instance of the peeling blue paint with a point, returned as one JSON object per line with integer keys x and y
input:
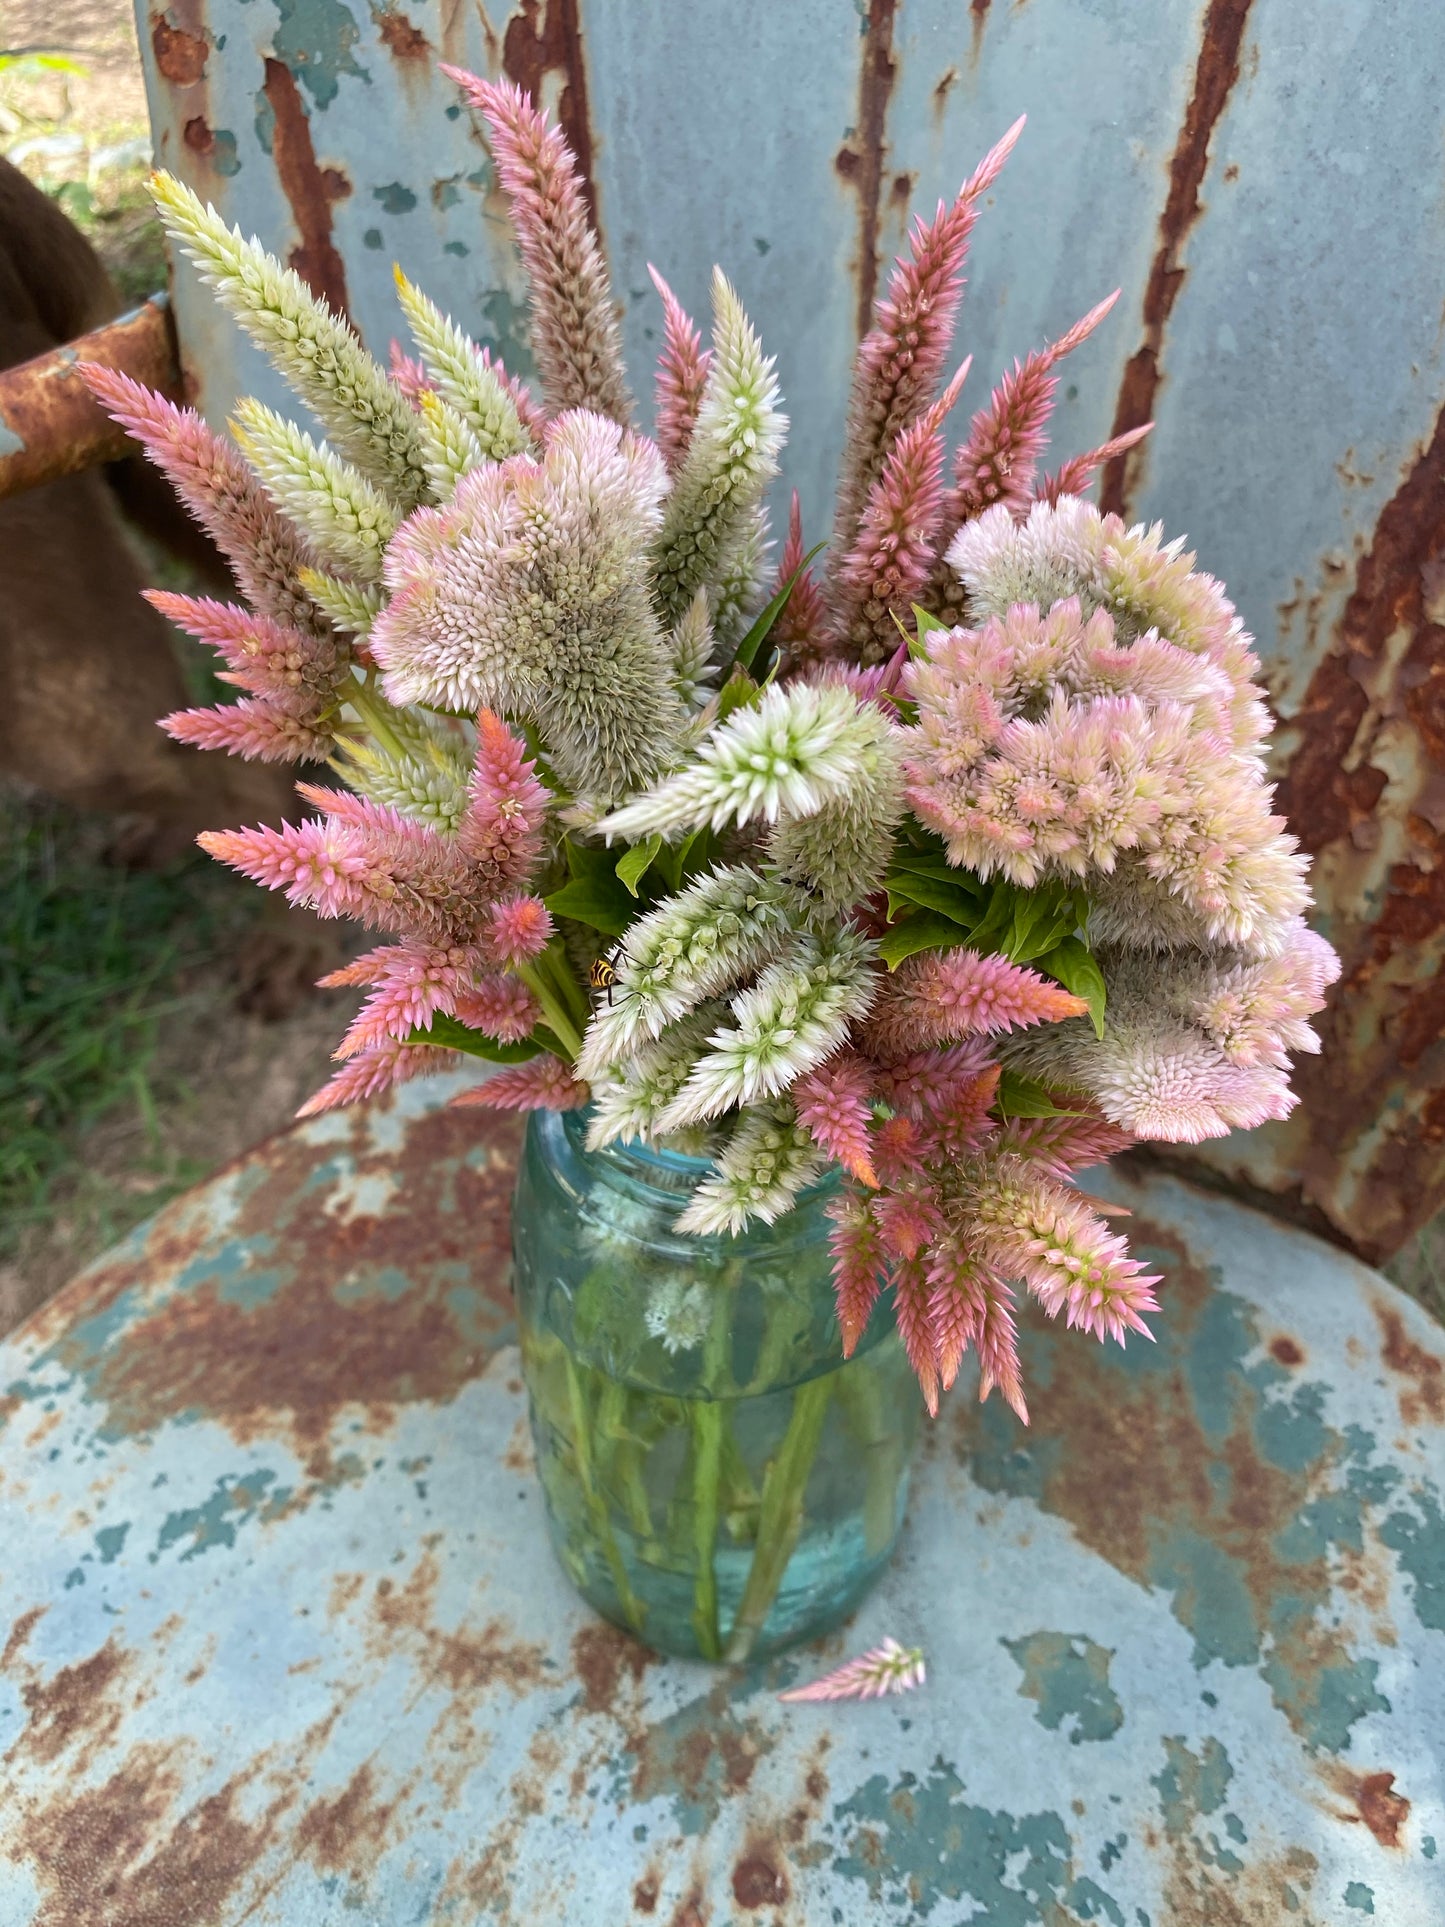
{"x": 110, "y": 1542}
{"x": 506, "y": 333}
{"x": 373, "y": 238}
{"x": 1069, "y": 1677}
{"x": 1360, "y": 1897}
{"x": 315, "y": 39}
{"x": 918, "y": 1843}
{"x": 214, "y": 1523}
{"x": 395, "y": 197}
{"x": 1420, "y": 1542}
{"x": 1191, "y": 1784}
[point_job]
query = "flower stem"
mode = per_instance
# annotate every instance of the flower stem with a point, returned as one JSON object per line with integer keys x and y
{"x": 780, "y": 1519}
{"x": 709, "y": 1418}
{"x": 596, "y": 1505}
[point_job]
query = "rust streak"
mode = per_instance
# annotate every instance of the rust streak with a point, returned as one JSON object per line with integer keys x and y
{"x": 545, "y": 37}
{"x": 1386, "y": 918}
{"x": 308, "y": 188}
{"x": 861, "y": 159}
{"x": 50, "y": 412}
{"x": 1215, "y": 73}
{"x": 180, "y": 54}
{"x": 978, "y": 20}
{"x": 1423, "y": 1396}
{"x": 400, "y": 37}
{"x": 1376, "y": 1802}
{"x": 19, "y": 1633}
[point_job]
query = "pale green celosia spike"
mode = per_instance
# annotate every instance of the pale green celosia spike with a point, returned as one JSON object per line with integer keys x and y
{"x": 427, "y": 780}
{"x": 839, "y": 854}
{"x": 692, "y": 946}
{"x": 740, "y": 581}
{"x": 452, "y": 450}
{"x": 800, "y": 747}
{"x": 346, "y": 520}
{"x": 370, "y": 421}
{"x": 693, "y": 669}
{"x": 461, "y": 376}
{"x": 628, "y": 1100}
{"x": 795, "y": 1015}
{"x": 352, "y": 606}
{"x": 732, "y": 457}
{"x": 763, "y": 1167}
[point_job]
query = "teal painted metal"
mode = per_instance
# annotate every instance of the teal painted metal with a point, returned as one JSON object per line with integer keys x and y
{"x": 281, "y": 1641}
{"x": 1268, "y": 194}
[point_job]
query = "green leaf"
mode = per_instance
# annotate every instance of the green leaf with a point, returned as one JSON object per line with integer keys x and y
{"x": 738, "y": 692}
{"x": 696, "y": 853}
{"x": 927, "y": 864}
{"x": 585, "y": 900}
{"x": 923, "y": 930}
{"x": 449, "y": 1033}
{"x": 1020, "y": 1096}
{"x": 634, "y": 865}
{"x": 1071, "y": 964}
{"x": 748, "y": 648}
{"x": 594, "y": 896}
{"x": 932, "y": 893}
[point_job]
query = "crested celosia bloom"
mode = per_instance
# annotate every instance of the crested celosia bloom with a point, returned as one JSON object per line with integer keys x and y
{"x": 951, "y": 867}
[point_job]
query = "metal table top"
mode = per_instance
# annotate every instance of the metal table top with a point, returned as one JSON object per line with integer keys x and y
{"x": 283, "y": 1641}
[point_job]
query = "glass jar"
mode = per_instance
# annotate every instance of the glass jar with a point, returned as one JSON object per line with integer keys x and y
{"x": 718, "y": 1480}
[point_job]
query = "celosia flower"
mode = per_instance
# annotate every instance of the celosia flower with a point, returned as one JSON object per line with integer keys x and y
{"x": 682, "y": 371}
{"x": 528, "y": 593}
{"x": 765, "y": 1164}
{"x": 799, "y": 747}
{"x": 347, "y": 522}
{"x": 575, "y": 336}
{"x": 945, "y": 995}
{"x": 464, "y": 376}
{"x": 543, "y": 1083}
{"x": 889, "y": 1668}
{"x": 731, "y": 458}
{"x": 833, "y": 1104}
{"x": 372, "y": 424}
{"x": 794, "y": 1016}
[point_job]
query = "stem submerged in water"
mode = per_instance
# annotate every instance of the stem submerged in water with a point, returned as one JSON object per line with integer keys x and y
{"x": 596, "y": 1503}
{"x": 780, "y": 1517}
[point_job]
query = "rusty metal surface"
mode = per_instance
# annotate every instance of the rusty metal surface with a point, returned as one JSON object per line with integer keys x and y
{"x": 50, "y": 426}
{"x": 1269, "y": 195}
{"x": 281, "y": 1641}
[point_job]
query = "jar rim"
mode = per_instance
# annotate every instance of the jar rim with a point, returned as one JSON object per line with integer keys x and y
{"x": 669, "y": 1171}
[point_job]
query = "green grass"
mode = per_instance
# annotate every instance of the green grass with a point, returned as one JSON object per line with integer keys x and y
{"x": 93, "y": 962}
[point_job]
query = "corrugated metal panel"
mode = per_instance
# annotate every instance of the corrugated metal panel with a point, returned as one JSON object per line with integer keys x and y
{"x": 282, "y": 1642}
{"x": 1268, "y": 194}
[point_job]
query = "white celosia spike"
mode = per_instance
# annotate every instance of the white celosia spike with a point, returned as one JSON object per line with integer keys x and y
{"x": 731, "y": 458}
{"x": 693, "y": 946}
{"x": 350, "y": 606}
{"x": 737, "y": 588}
{"x": 346, "y": 520}
{"x": 452, "y": 450}
{"x": 798, "y": 748}
{"x": 463, "y": 379}
{"x": 629, "y": 1098}
{"x": 366, "y": 416}
{"x": 839, "y": 854}
{"x": 693, "y": 669}
{"x": 888, "y": 1668}
{"x": 760, "y": 1171}
{"x": 796, "y": 1014}
{"x": 428, "y": 779}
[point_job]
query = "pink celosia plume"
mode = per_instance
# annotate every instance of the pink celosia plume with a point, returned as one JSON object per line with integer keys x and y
{"x": 859, "y": 1264}
{"x": 998, "y": 461}
{"x": 501, "y": 830}
{"x": 1075, "y": 474}
{"x": 902, "y": 357}
{"x": 212, "y": 479}
{"x": 682, "y": 370}
{"x": 945, "y": 995}
{"x": 517, "y": 929}
{"x": 833, "y": 1105}
{"x": 888, "y": 1668}
{"x": 575, "y": 337}
{"x": 254, "y": 729}
{"x": 411, "y": 982}
{"x": 373, "y": 1071}
{"x": 801, "y": 624}
{"x": 499, "y": 1005}
{"x": 543, "y": 1083}
{"x": 892, "y": 555}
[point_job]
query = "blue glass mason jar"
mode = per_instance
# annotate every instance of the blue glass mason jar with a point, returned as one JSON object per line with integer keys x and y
{"x": 717, "y": 1479}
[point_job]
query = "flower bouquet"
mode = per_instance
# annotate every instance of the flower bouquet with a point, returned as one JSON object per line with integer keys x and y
{"x": 828, "y": 923}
